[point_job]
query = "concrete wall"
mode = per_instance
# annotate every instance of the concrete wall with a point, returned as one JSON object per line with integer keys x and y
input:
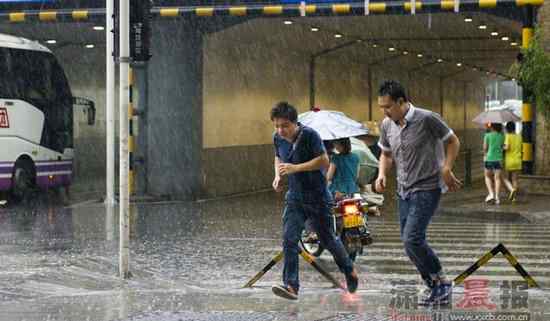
{"x": 174, "y": 116}
{"x": 341, "y": 85}
{"x": 212, "y": 136}
{"x": 542, "y": 147}
{"x": 243, "y": 79}
{"x": 543, "y": 21}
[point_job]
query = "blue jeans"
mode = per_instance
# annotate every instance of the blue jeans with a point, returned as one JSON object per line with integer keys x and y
{"x": 295, "y": 214}
{"x": 415, "y": 213}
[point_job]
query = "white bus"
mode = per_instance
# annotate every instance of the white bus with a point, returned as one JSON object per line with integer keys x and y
{"x": 36, "y": 118}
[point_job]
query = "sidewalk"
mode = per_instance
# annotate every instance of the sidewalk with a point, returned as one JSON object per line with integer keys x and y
{"x": 470, "y": 202}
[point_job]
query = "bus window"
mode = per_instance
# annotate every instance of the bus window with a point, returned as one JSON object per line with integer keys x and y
{"x": 63, "y": 100}
{"x": 36, "y": 71}
{"x": 6, "y": 75}
{"x": 41, "y": 82}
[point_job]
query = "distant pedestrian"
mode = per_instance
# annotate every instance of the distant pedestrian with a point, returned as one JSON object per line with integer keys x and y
{"x": 493, "y": 143}
{"x": 512, "y": 159}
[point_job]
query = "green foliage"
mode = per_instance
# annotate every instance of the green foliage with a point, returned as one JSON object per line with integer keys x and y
{"x": 533, "y": 74}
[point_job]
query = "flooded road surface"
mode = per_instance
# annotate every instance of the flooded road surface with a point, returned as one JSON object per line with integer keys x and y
{"x": 190, "y": 260}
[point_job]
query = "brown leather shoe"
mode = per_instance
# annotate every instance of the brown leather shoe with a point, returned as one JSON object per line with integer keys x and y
{"x": 286, "y": 292}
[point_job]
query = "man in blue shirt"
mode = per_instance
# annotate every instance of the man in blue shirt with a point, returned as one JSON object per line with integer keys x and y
{"x": 300, "y": 155}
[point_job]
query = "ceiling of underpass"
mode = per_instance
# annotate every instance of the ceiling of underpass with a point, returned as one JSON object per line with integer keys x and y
{"x": 445, "y": 36}
{"x": 65, "y": 33}
{"x": 371, "y": 39}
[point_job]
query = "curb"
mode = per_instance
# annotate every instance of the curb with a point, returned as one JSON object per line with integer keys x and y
{"x": 483, "y": 215}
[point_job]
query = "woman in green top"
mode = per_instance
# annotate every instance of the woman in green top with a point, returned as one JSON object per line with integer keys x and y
{"x": 512, "y": 158}
{"x": 492, "y": 148}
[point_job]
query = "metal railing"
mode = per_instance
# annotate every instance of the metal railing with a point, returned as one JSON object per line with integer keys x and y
{"x": 469, "y": 166}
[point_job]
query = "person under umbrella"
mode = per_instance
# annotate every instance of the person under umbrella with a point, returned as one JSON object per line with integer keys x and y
{"x": 343, "y": 170}
{"x": 499, "y": 116}
{"x": 493, "y": 142}
{"x": 512, "y": 159}
{"x": 336, "y": 127}
{"x": 332, "y": 124}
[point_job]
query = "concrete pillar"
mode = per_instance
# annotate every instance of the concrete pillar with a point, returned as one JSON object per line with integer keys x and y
{"x": 174, "y": 114}
{"x": 542, "y": 155}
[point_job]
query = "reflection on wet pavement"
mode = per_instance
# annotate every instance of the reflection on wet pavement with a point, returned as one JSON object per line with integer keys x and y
{"x": 60, "y": 263}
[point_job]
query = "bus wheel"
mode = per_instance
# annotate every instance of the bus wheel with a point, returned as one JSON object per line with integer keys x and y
{"x": 23, "y": 181}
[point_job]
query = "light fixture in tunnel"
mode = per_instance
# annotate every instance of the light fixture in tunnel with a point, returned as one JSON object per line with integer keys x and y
{"x": 287, "y": 22}
{"x": 90, "y": 46}
{"x": 405, "y": 52}
{"x": 468, "y": 19}
{"x": 314, "y": 29}
{"x": 474, "y": 69}
{"x": 505, "y": 38}
{"x": 459, "y": 64}
{"x": 99, "y": 28}
{"x": 51, "y": 41}
{"x": 374, "y": 45}
{"x": 338, "y": 35}
{"x": 420, "y": 55}
{"x": 391, "y": 49}
{"x": 513, "y": 43}
{"x": 494, "y": 33}
{"x": 439, "y": 60}
{"x": 482, "y": 26}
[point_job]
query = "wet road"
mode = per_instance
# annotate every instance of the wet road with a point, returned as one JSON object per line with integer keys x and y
{"x": 190, "y": 260}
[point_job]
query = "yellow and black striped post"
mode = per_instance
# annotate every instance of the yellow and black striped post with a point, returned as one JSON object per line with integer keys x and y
{"x": 488, "y": 256}
{"x": 309, "y": 259}
{"x": 514, "y": 262}
{"x": 266, "y": 268}
{"x": 131, "y": 140}
{"x": 527, "y": 111}
{"x": 484, "y": 259}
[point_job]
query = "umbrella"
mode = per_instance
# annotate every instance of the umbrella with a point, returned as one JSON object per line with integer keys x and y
{"x": 332, "y": 124}
{"x": 501, "y": 116}
{"x": 368, "y": 164}
{"x": 366, "y": 157}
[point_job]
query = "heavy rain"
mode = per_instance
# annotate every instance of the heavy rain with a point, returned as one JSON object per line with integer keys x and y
{"x": 137, "y": 164}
